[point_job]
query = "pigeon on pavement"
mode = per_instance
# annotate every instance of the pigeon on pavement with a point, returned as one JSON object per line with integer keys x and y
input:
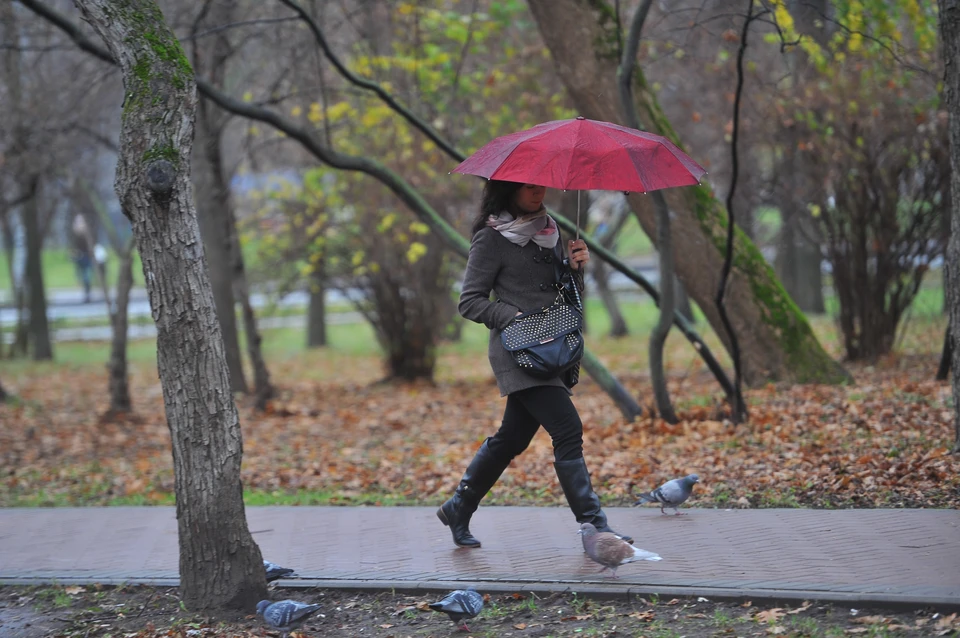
{"x": 285, "y": 615}
{"x": 671, "y": 494}
{"x": 275, "y": 572}
{"x": 459, "y": 605}
{"x": 610, "y": 550}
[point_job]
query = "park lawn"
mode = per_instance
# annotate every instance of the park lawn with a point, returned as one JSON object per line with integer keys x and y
{"x": 335, "y": 435}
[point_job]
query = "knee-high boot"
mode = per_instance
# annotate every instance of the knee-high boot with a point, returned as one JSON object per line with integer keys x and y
{"x": 481, "y": 475}
{"x": 575, "y": 481}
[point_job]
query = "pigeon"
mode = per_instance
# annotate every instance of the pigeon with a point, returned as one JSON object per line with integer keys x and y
{"x": 275, "y": 572}
{"x": 285, "y": 615}
{"x": 671, "y": 494}
{"x": 610, "y": 550}
{"x": 460, "y": 604}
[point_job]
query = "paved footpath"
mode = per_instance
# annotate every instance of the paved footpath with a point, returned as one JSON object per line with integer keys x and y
{"x": 850, "y": 556}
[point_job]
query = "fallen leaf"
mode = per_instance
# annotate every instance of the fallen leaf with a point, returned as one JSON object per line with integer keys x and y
{"x": 520, "y": 625}
{"x": 769, "y": 615}
{"x": 642, "y": 615}
{"x": 871, "y": 620}
{"x": 806, "y": 605}
{"x": 386, "y": 626}
{"x": 74, "y": 590}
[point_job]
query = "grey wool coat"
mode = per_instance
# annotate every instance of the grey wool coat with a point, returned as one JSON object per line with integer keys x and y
{"x": 520, "y": 283}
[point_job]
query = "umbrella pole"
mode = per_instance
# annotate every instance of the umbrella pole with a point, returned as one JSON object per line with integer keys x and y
{"x": 578, "y": 214}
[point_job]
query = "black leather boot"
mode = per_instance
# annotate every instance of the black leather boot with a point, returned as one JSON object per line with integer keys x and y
{"x": 575, "y": 481}
{"x": 481, "y": 475}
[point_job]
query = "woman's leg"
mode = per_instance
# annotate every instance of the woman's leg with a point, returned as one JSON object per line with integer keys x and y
{"x": 495, "y": 453}
{"x": 553, "y": 408}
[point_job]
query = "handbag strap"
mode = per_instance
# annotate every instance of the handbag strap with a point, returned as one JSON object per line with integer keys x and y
{"x": 558, "y": 270}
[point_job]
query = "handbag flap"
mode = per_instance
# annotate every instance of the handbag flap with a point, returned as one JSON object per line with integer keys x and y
{"x": 541, "y": 326}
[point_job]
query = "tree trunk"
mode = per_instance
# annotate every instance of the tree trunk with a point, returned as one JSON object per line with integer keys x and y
{"x": 264, "y": 390}
{"x": 778, "y": 343}
{"x": 950, "y": 38}
{"x": 3, "y": 393}
{"x": 36, "y": 294}
{"x": 601, "y": 274}
{"x": 682, "y": 299}
{"x": 798, "y": 266}
{"x": 220, "y": 564}
{"x": 119, "y": 383}
{"x": 658, "y": 336}
{"x": 214, "y": 209}
{"x": 946, "y": 355}
{"x": 317, "y": 310}
{"x": 212, "y": 218}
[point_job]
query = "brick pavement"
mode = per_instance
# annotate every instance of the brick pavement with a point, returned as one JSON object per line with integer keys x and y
{"x": 854, "y": 556}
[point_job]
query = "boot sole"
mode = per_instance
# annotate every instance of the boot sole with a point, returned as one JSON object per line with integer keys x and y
{"x": 446, "y": 523}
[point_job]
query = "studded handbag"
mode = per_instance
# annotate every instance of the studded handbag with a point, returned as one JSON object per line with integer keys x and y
{"x": 548, "y": 343}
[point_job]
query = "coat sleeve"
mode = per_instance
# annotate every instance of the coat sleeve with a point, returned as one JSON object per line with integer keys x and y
{"x": 483, "y": 266}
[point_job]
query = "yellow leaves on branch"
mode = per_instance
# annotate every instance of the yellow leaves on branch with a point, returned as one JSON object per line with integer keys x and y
{"x": 415, "y": 252}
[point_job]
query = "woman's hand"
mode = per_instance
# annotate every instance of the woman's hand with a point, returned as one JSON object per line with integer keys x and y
{"x": 579, "y": 254}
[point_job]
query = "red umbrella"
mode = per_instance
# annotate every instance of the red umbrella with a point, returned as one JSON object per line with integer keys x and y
{"x": 584, "y": 154}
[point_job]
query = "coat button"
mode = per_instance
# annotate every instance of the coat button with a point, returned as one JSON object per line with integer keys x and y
{"x": 543, "y": 286}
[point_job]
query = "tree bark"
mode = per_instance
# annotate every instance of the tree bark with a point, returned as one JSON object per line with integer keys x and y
{"x": 3, "y": 393}
{"x": 220, "y": 564}
{"x": 779, "y": 344}
{"x": 658, "y": 336}
{"x": 950, "y": 38}
{"x": 119, "y": 379}
{"x": 36, "y": 293}
{"x": 946, "y": 356}
{"x": 211, "y": 216}
{"x": 317, "y": 310}
{"x": 214, "y": 210}
{"x": 601, "y": 274}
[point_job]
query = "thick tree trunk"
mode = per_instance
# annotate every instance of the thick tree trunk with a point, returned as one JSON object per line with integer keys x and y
{"x": 798, "y": 266}
{"x": 778, "y": 343}
{"x": 119, "y": 383}
{"x": 946, "y": 357}
{"x": 220, "y": 564}
{"x": 950, "y": 38}
{"x": 36, "y": 295}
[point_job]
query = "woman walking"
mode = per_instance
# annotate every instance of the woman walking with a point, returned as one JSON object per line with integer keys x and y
{"x": 512, "y": 254}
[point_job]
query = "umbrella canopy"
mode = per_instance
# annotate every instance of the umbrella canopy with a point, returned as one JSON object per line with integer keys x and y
{"x": 582, "y": 154}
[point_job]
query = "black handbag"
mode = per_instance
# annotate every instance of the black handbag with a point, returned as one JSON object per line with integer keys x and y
{"x": 548, "y": 343}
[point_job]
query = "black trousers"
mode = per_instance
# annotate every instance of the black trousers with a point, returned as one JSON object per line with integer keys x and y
{"x": 526, "y": 411}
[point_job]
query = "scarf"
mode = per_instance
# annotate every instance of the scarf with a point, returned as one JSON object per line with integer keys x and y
{"x": 539, "y": 227}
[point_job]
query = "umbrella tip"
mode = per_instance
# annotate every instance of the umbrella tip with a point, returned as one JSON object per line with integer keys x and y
{"x": 580, "y": 117}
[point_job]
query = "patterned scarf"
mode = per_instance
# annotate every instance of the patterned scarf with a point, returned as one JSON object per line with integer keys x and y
{"x": 539, "y": 227}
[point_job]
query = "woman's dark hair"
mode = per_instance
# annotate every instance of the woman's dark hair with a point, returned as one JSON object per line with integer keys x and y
{"x": 497, "y": 196}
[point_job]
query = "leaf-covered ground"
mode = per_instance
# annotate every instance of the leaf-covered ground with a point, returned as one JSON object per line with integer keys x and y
{"x": 336, "y": 436}
{"x": 145, "y": 612}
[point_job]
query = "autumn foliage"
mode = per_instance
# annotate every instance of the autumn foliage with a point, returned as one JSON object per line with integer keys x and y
{"x": 880, "y": 442}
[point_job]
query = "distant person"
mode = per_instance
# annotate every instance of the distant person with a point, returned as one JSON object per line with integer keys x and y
{"x": 100, "y": 259}
{"x": 82, "y": 259}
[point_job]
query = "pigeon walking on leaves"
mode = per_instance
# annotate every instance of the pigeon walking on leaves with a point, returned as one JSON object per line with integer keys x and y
{"x": 285, "y": 615}
{"x": 275, "y": 572}
{"x": 460, "y": 605}
{"x": 671, "y": 494}
{"x": 610, "y": 550}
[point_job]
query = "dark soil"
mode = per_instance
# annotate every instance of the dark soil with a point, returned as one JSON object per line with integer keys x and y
{"x": 148, "y": 612}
